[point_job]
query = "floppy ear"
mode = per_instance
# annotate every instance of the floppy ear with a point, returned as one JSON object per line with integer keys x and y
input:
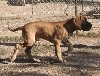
{"x": 77, "y": 21}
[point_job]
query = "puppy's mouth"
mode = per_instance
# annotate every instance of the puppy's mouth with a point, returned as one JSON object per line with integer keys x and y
{"x": 86, "y": 26}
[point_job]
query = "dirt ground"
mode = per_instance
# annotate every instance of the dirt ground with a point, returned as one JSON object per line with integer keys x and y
{"x": 83, "y": 61}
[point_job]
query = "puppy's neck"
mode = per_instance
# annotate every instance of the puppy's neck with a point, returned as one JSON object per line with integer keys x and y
{"x": 70, "y": 25}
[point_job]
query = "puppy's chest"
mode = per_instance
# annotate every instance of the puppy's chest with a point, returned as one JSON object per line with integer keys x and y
{"x": 61, "y": 33}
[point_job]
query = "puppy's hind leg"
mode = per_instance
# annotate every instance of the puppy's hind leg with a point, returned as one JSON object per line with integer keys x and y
{"x": 28, "y": 52}
{"x": 16, "y": 50}
{"x": 29, "y": 44}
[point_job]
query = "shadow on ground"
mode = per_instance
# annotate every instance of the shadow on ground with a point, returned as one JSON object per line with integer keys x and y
{"x": 84, "y": 60}
{"x": 74, "y": 46}
{"x": 23, "y": 74}
{"x": 83, "y": 46}
{"x": 81, "y": 60}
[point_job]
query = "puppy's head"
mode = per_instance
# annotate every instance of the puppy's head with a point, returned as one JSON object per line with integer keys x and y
{"x": 82, "y": 23}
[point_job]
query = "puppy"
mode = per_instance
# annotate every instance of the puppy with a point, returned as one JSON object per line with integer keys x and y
{"x": 55, "y": 32}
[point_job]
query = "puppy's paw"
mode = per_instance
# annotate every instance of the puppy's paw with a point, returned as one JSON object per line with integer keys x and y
{"x": 36, "y": 60}
{"x": 7, "y": 62}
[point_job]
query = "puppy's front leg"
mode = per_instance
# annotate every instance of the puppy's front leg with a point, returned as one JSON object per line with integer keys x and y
{"x": 58, "y": 50}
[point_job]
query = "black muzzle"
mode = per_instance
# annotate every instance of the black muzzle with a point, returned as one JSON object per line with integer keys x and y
{"x": 86, "y": 26}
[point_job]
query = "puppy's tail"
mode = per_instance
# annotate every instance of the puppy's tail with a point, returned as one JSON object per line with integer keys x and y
{"x": 16, "y": 29}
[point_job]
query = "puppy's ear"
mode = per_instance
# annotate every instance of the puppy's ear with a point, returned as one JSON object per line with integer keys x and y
{"x": 77, "y": 21}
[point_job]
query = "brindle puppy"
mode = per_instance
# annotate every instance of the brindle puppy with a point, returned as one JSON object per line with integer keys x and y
{"x": 55, "y": 32}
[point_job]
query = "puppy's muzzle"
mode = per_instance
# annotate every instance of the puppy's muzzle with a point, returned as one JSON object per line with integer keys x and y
{"x": 86, "y": 26}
